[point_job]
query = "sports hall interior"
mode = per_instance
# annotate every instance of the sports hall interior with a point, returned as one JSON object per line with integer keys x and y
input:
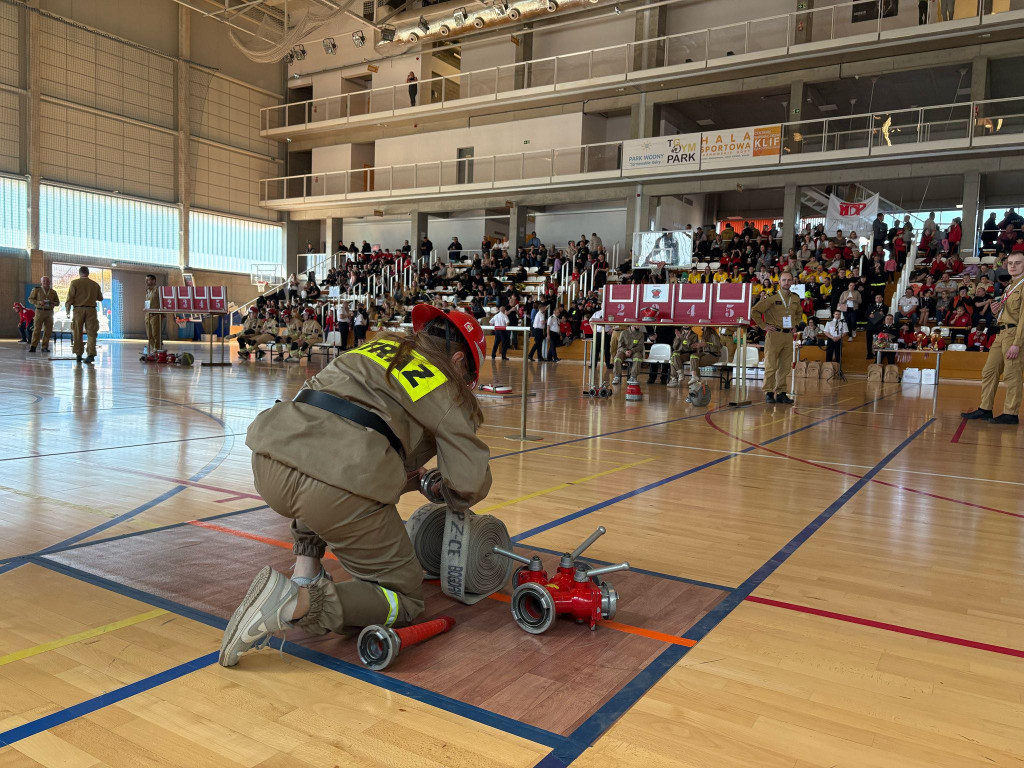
{"x": 832, "y": 581}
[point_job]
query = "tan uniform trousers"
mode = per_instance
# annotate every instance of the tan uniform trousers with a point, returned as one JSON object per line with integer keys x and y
{"x": 154, "y": 331}
{"x": 995, "y": 364}
{"x": 84, "y": 319}
{"x": 43, "y": 327}
{"x": 778, "y": 361}
{"x": 697, "y": 361}
{"x": 368, "y": 538}
{"x": 633, "y": 362}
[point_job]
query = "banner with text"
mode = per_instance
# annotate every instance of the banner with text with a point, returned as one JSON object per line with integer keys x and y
{"x": 851, "y": 216}
{"x": 742, "y": 143}
{"x": 659, "y": 153}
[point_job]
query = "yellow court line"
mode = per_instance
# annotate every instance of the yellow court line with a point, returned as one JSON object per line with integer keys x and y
{"x": 71, "y": 639}
{"x": 559, "y": 487}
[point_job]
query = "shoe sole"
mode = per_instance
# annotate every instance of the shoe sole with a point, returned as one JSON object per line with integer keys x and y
{"x": 242, "y": 612}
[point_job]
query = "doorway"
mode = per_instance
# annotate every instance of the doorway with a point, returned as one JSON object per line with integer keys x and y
{"x": 464, "y": 170}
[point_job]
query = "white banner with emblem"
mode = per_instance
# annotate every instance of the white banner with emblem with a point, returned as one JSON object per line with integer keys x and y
{"x": 654, "y": 155}
{"x": 851, "y": 216}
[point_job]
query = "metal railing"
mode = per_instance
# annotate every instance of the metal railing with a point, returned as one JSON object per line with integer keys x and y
{"x": 958, "y": 125}
{"x": 714, "y": 46}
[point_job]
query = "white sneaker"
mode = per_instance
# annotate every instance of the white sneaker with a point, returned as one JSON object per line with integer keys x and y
{"x": 673, "y": 382}
{"x": 616, "y": 380}
{"x": 259, "y": 616}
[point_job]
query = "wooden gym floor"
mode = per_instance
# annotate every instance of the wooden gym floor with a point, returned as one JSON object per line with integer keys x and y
{"x": 832, "y": 584}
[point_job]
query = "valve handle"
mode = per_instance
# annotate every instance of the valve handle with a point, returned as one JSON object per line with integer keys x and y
{"x": 587, "y": 542}
{"x": 511, "y": 555}
{"x": 427, "y": 483}
{"x": 607, "y": 569}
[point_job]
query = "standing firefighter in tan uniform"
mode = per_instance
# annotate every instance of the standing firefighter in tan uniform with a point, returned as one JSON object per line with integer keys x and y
{"x": 1004, "y": 354}
{"x": 778, "y": 314}
{"x": 83, "y": 295}
{"x": 631, "y": 348}
{"x": 154, "y": 321}
{"x": 337, "y": 458}
{"x": 44, "y": 299}
{"x": 312, "y": 332}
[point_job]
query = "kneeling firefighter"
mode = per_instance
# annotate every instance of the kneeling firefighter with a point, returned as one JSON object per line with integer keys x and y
{"x": 336, "y": 459}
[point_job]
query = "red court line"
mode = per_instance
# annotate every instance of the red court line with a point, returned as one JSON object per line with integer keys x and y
{"x": 629, "y": 628}
{"x": 959, "y": 431}
{"x": 890, "y": 627}
{"x": 709, "y": 420}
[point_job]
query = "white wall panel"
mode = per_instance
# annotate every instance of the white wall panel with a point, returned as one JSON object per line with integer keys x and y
{"x": 105, "y": 153}
{"x": 89, "y": 69}
{"x": 228, "y": 112}
{"x": 228, "y": 181}
{"x": 10, "y": 31}
{"x": 10, "y": 131}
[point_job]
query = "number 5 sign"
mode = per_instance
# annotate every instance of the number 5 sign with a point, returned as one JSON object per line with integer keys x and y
{"x": 731, "y": 303}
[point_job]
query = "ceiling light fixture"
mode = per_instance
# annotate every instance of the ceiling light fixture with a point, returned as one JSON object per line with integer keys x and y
{"x": 423, "y": 25}
{"x": 459, "y": 15}
{"x": 617, "y": 9}
{"x": 387, "y": 33}
{"x": 330, "y": 47}
{"x": 358, "y": 38}
{"x": 299, "y": 51}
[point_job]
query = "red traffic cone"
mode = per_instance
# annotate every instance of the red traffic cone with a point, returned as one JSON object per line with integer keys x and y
{"x": 379, "y": 645}
{"x": 633, "y": 391}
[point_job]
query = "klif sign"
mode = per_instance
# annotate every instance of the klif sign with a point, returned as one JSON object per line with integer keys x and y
{"x": 850, "y": 217}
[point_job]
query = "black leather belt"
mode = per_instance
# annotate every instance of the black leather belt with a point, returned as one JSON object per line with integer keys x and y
{"x": 350, "y": 412}
{"x": 1000, "y": 328}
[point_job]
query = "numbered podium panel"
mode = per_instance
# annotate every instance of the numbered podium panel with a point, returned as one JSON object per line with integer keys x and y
{"x": 679, "y": 304}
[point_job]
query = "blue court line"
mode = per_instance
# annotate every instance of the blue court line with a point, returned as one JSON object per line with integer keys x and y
{"x": 657, "y": 574}
{"x": 456, "y": 707}
{"x": 678, "y": 476}
{"x": 211, "y": 465}
{"x": 593, "y": 727}
{"x": 103, "y": 700}
{"x": 594, "y": 437}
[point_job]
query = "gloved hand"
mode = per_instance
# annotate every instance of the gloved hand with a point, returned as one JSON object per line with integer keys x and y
{"x": 412, "y": 479}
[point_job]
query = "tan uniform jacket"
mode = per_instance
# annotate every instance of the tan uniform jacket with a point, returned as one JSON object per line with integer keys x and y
{"x": 83, "y": 292}
{"x": 271, "y": 326}
{"x": 772, "y": 308}
{"x": 632, "y": 340}
{"x": 685, "y": 342}
{"x": 418, "y": 408}
{"x": 42, "y": 299}
{"x": 312, "y": 328}
{"x": 848, "y": 296}
{"x": 251, "y": 324}
{"x": 712, "y": 342}
{"x": 153, "y": 298}
{"x": 294, "y": 328}
{"x": 1011, "y": 310}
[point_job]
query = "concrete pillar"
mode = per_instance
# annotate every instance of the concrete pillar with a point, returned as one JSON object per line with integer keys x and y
{"x": 790, "y": 215}
{"x": 979, "y": 78}
{"x": 643, "y": 119}
{"x": 973, "y": 207}
{"x": 417, "y": 229}
{"x": 516, "y": 227}
{"x": 804, "y": 22}
{"x": 794, "y": 113}
{"x": 30, "y": 55}
{"x": 650, "y": 24}
{"x": 332, "y": 234}
{"x": 522, "y": 76}
{"x": 183, "y": 166}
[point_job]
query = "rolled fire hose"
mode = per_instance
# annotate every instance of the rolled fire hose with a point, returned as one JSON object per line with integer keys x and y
{"x": 457, "y": 548}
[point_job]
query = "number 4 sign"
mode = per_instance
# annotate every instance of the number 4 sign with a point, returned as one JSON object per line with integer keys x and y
{"x": 692, "y": 303}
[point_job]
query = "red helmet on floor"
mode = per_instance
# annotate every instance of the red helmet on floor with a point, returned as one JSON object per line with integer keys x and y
{"x": 466, "y": 325}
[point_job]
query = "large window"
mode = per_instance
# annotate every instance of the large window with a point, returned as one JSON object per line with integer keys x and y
{"x": 13, "y": 212}
{"x": 107, "y": 226}
{"x": 228, "y": 244}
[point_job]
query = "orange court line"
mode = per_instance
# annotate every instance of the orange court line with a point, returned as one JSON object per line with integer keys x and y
{"x": 629, "y": 628}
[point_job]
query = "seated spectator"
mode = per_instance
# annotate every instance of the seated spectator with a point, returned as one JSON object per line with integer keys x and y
{"x": 908, "y": 304}
{"x": 960, "y": 318}
{"x": 809, "y": 335}
{"x": 980, "y": 339}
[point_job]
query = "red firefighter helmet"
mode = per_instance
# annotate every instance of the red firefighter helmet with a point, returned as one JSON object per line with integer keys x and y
{"x": 467, "y": 326}
{"x": 286, "y": 312}
{"x": 271, "y": 312}
{"x": 650, "y": 314}
{"x": 309, "y": 313}
{"x": 254, "y": 310}
{"x": 18, "y": 306}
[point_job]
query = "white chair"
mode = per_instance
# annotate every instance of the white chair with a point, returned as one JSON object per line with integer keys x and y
{"x": 988, "y": 260}
{"x": 331, "y": 341}
{"x": 659, "y": 353}
{"x": 715, "y": 265}
{"x": 823, "y": 314}
{"x": 972, "y": 260}
{"x": 926, "y": 330}
{"x": 957, "y": 347}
